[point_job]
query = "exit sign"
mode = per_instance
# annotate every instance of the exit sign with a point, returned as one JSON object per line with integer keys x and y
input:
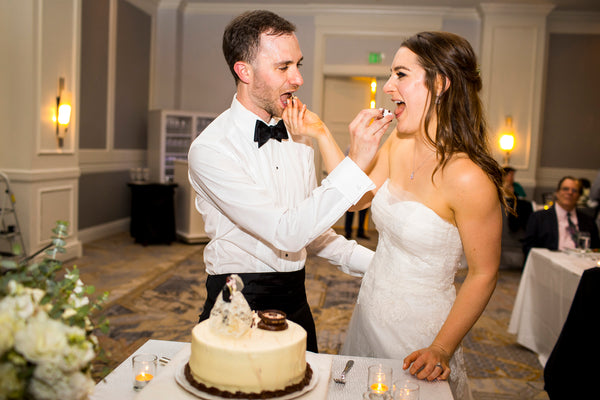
{"x": 375, "y": 58}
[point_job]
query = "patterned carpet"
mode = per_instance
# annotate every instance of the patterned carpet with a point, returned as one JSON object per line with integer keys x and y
{"x": 156, "y": 292}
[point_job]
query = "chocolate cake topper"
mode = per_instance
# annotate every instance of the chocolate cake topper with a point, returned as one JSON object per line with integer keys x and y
{"x": 272, "y": 320}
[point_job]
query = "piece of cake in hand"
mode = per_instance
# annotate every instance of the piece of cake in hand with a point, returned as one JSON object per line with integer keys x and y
{"x": 237, "y": 354}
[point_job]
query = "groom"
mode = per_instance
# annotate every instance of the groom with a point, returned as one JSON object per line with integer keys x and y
{"x": 259, "y": 198}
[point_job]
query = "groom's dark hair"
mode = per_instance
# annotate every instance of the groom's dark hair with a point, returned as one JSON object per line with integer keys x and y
{"x": 241, "y": 39}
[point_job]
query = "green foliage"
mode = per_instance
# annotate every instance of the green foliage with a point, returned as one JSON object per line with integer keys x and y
{"x": 31, "y": 297}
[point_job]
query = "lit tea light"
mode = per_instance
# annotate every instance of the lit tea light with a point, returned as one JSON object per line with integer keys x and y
{"x": 379, "y": 387}
{"x": 380, "y": 381}
{"x": 144, "y": 369}
{"x": 144, "y": 377}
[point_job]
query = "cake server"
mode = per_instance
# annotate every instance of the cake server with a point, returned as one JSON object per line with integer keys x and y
{"x": 342, "y": 378}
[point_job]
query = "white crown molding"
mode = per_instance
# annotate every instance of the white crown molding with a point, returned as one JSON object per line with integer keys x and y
{"x": 516, "y": 9}
{"x": 312, "y": 9}
{"x": 95, "y": 161}
{"x": 42, "y": 175}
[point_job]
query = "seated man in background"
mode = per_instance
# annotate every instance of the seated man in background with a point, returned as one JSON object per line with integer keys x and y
{"x": 557, "y": 227}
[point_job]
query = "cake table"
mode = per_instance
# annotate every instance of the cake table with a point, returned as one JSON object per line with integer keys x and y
{"x": 118, "y": 384}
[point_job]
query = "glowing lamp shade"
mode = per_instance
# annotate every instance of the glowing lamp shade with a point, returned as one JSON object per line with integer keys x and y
{"x": 507, "y": 142}
{"x": 373, "y": 92}
{"x": 64, "y": 114}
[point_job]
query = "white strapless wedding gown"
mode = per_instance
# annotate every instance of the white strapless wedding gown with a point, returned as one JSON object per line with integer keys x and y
{"x": 408, "y": 290}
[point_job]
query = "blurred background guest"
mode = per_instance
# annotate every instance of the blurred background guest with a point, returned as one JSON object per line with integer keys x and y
{"x": 510, "y": 186}
{"x": 595, "y": 198}
{"x": 557, "y": 227}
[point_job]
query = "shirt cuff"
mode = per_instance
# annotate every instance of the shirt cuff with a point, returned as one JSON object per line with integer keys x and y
{"x": 350, "y": 180}
{"x": 359, "y": 261}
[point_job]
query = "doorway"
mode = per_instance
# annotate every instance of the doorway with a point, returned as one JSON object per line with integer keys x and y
{"x": 343, "y": 98}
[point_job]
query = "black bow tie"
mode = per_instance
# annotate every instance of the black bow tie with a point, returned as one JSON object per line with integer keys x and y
{"x": 264, "y": 132}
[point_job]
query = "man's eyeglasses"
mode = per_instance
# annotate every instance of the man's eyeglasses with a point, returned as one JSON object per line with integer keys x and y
{"x": 568, "y": 189}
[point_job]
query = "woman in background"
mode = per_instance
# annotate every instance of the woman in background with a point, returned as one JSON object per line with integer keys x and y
{"x": 438, "y": 194}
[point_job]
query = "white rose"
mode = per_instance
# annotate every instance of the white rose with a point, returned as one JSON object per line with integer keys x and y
{"x": 10, "y": 384}
{"x": 50, "y": 383}
{"x": 42, "y": 339}
{"x": 7, "y": 332}
{"x": 36, "y": 294}
{"x": 80, "y": 351}
{"x": 78, "y": 287}
{"x": 21, "y": 307}
{"x": 77, "y": 301}
{"x": 14, "y": 287}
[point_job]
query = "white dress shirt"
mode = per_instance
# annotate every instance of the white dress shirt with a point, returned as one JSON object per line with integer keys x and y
{"x": 262, "y": 208}
{"x": 565, "y": 241}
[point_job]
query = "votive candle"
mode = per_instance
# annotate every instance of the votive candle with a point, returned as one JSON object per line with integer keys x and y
{"x": 144, "y": 369}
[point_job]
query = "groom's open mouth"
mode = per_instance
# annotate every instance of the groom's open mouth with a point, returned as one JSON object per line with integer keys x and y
{"x": 286, "y": 97}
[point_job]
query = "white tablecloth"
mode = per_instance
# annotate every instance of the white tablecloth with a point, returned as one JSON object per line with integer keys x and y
{"x": 119, "y": 385}
{"x": 544, "y": 297}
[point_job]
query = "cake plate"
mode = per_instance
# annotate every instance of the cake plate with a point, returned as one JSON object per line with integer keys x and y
{"x": 183, "y": 382}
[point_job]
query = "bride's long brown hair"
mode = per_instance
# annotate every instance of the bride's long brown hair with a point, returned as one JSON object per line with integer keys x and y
{"x": 461, "y": 124}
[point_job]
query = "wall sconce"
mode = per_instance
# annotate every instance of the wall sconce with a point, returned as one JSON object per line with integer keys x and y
{"x": 373, "y": 92}
{"x": 63, "y": 114}
{"x": 507, "y": 140}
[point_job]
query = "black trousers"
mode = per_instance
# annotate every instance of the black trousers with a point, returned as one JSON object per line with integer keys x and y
{"x": 362, "y": 215}
{"x": 282, "y": 291}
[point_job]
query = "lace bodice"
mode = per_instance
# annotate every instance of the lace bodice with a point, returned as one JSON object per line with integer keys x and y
{"x": 427, "y": 248}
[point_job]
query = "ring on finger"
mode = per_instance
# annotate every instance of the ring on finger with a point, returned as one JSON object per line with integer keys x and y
{"x": 439, "y": 365}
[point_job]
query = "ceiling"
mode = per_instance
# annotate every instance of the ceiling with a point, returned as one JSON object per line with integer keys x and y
{"x": 561, "y": 5}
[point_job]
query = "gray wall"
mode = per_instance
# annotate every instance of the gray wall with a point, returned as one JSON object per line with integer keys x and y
{"x": 94, "y": 74}
{"x": 104, "y": 196}
{"x": 571, "y": 117}
{"x": 132, "y": 77}
{"x": 571, "y": 124}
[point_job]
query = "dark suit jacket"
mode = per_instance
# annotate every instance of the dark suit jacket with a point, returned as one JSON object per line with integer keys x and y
{"x": 576, "y": 349}
{"x": 542, "y": 230}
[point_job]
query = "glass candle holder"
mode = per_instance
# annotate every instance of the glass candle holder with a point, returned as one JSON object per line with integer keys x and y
{"x": 406, "y": 390}
{"x": 583, "y": 241}
{"x": 144, "y": 369}
{"x": 380, "y": 379}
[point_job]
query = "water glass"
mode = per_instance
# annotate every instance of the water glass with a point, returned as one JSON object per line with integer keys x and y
{"x": 406, "y": 390}
{"x": 583, "y": 241}
{"x": 144, "y": 369}
{"x": 380, "y": 379}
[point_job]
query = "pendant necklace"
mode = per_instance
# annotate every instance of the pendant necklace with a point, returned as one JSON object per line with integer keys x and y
{"x": 412, "y": 174}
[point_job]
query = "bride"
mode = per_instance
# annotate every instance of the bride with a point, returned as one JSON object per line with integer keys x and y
{"x": 438, "y": 194}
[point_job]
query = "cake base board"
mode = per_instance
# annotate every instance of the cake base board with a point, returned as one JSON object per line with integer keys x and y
{"x": 187, "y": 386}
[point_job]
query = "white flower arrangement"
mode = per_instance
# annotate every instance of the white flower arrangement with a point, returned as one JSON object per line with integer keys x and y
{"x": 47, "y": 343}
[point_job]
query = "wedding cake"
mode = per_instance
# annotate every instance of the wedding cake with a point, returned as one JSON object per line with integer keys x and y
{"x": 243, "y": 354}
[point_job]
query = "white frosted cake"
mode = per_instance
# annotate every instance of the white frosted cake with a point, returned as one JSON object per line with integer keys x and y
{"x": 235, "y": 355}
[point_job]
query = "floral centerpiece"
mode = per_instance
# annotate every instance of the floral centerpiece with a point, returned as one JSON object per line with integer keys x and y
{"x": 46, "y": 335}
